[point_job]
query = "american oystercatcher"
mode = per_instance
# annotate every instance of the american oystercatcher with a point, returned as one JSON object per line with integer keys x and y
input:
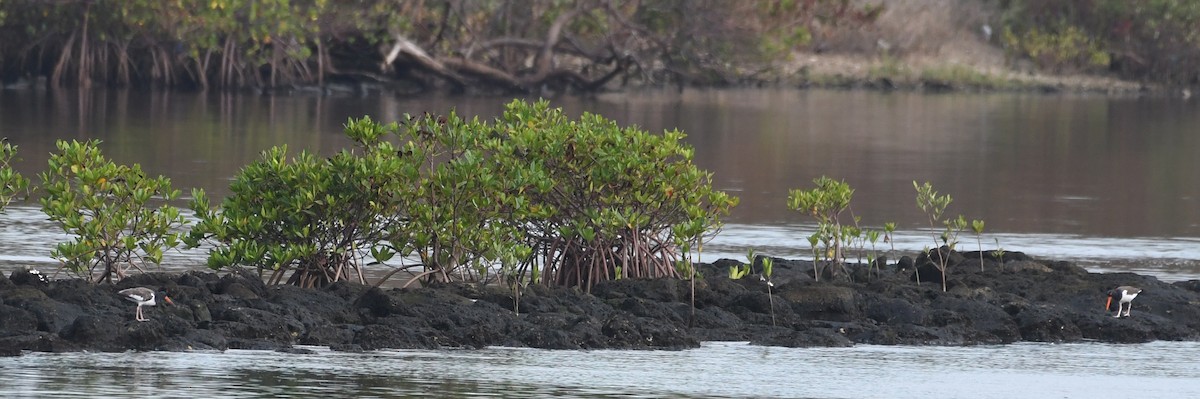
{"x": 144, "y": 297}
{"x": 1124, "y": 295}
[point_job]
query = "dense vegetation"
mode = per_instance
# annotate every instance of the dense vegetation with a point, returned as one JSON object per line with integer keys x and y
{"x": 1157, "y": 40}
{"x": 531, "y": 198}
{"x": 529, "y": 46}
{"x": 605, "y": 201}
{"x": 500, "y": 44}
{"x": 313, "y": 216}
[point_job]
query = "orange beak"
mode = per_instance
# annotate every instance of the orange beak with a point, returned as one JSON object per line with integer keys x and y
{"x": 1108, "y": 304}
{"x": 172, "y": 303}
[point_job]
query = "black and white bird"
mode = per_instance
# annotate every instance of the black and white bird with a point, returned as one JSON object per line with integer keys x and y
{"x": 143, "y": 296}
{"x": 1124, "y": 295}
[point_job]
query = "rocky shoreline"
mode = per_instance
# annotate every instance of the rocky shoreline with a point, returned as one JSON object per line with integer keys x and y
{"x": 1021, "y": 299}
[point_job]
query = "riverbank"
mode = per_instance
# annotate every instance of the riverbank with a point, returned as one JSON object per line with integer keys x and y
{"x": 938, "y": 46}
{"x": 949, "y": 73}
{"x": 1022, "y": 299}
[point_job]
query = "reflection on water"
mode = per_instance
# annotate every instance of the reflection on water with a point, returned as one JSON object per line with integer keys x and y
{"x": 1091, "y": 166}
{"x": 1061, "y": 176}
{"x": 717, "y": 369}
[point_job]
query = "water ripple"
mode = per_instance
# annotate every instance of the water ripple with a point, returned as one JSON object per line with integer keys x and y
{"x": 716, "y": 369}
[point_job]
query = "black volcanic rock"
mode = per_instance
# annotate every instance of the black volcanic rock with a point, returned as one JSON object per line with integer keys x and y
{"x": 1021, "y": 299}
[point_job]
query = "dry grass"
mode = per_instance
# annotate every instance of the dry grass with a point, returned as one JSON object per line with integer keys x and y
{"x": 940, "y": 41}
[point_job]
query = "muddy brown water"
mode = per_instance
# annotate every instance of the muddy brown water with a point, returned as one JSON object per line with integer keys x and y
{"x": 1113, "y": 183}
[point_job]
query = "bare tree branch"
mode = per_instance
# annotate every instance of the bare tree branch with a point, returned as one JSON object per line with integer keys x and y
{"x": 421, "y": 58}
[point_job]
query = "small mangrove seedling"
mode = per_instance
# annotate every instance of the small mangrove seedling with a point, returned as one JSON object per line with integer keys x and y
{"x": 953, "y": 229}
{"x": 977, "y": 228}
{"x": 888, "y": 229}
{"x": 853, "y": 237}
{"x": 738, "y": 271}
{"x": 825, "y": 203}
{"x": 934, "y": 205}
{"x": 686, "y": 268}
{"x": 511, "y": 272}
{"x": 768, "y": 265}
{"x": 689, "y": 266}
{"x": 872, "y": 237}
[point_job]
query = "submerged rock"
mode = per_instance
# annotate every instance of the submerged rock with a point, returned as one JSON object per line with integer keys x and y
{"x": 1021, "y": 299}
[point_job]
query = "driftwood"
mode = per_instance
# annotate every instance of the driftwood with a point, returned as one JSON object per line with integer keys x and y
{"x": 422, "y": 59}
{"x": 557, "y": 61}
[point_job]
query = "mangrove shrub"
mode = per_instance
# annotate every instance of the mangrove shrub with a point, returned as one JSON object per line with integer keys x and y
{"x": 316, "y": 217}
{"x": 606, "y": 202}
{"x": 107, "y": 210}
{"x": 459, "y": 215}
{"x": 534, "y": 197}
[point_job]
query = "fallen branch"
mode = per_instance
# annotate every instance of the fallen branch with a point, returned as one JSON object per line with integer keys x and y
{"x": 406, "y": 47}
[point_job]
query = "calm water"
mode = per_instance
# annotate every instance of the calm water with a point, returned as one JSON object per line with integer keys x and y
{"x": 718, "y": 369}
{"x": 1111, "y": 183}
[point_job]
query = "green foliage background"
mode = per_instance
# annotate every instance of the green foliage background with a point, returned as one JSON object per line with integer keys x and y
{"x": 239, "y": 43}
{"x": 1157, "y": 40}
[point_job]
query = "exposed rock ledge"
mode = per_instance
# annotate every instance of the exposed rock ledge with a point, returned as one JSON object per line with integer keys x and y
{"x": 1022, "y": 299}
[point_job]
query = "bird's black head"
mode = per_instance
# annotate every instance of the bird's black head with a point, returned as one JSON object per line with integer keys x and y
{"x": 162, "y": 293}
